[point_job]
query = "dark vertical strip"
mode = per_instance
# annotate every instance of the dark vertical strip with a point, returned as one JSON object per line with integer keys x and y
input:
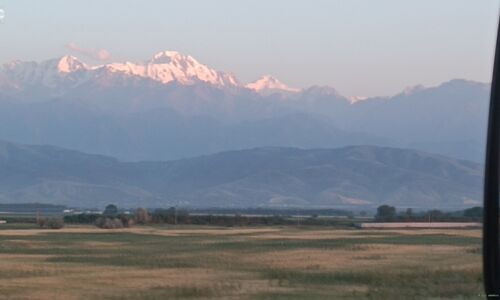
{"x": 491, "y": 187}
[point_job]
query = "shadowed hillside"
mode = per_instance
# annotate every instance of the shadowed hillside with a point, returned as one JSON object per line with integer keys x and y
{"x": 350, "y": 177}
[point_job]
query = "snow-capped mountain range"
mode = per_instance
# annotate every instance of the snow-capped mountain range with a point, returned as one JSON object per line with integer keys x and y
{"x": 172, "y": 106}
{"x": 164, "y": 67}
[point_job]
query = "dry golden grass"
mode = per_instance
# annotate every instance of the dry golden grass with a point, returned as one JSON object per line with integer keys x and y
{"x": 72, "y": 283}
{"x": 310, "y": 234}
{"x": 457, "y": 232}
{"x": 358, "y": 257}
{"x": 233, "y": 263}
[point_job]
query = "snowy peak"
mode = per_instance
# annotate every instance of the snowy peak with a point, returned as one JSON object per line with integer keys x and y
{"x": 68, "y": 64}
{"x": 172, "y": 66}
{"x": 164, "y": 67}
{"x": 412, "y": 90}
{"x": 168, "y": 57}
{"x": 354, "y": 99}
{"x": 268, "y": 83}
{"x": 164, "y": 57}
{"x": 168, "y": 66}
{"x": 66, "y": 71}
{"x": 65, "y": 64}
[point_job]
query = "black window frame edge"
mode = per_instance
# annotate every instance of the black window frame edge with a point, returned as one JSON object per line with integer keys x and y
{"x": 491, "y": 266}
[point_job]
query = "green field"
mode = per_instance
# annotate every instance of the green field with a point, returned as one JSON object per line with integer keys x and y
{"x": 239, "y": 263}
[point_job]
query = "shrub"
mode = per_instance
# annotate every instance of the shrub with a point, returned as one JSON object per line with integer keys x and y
{"x": 52, "y": 223}
{"x": 127, "y": 220}
{"x": 109, "y": 223}
{"x": 41, "y": 221}
{"x": 142, "y": 216}
{"x": 55, "y": 223}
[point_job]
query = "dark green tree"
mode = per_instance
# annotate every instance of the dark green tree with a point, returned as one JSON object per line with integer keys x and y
{"x": 474, "y": 212}
{"x": 110, "y": 211}
{"x": 386, "y": 213}
{"x": 435, "y": 215}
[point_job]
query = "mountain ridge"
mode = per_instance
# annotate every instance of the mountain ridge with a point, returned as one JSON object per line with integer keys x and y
{"x": 133, "y": 117}
{"x": 164, "y": 67}
{"x": 353, "y": 177}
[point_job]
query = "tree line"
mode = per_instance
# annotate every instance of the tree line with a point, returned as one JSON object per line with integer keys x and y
{"x": 113, "y": 218}
{"x": 387, "y": 213}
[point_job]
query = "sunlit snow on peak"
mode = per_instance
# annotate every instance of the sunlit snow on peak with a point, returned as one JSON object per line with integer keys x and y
{"x": 268, "y": 82}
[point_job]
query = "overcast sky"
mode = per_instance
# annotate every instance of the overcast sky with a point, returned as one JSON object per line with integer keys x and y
{"x": 362, "y": 48}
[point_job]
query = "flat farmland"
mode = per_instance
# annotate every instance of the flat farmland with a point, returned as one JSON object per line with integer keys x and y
{"x": 168, "y": 262}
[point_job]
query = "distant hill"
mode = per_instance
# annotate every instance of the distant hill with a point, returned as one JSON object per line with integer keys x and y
{"x": 354, "y": 177}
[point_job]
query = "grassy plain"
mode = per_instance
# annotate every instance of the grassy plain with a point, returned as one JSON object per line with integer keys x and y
{"x": 239, "y": 263}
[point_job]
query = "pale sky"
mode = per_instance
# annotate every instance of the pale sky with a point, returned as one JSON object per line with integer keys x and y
{"x": 361, "y": 48}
